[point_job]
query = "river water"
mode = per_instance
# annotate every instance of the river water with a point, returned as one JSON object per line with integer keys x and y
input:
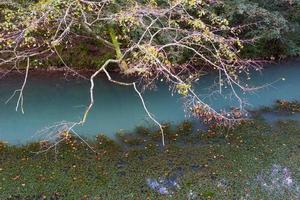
{"x": 49, "y": 100}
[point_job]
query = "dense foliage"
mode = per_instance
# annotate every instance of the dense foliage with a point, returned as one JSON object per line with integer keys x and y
{"x": 274, "y": 24}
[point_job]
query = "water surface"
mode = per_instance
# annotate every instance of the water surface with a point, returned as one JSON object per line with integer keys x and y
{"x": 51, "y": 100}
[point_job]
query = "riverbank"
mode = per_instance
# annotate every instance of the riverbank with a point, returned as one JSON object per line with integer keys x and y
{"x": 217, "y": 164}
{"x": 58, "y": 70}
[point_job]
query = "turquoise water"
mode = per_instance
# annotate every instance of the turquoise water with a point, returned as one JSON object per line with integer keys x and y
{"x": 48, "y": 100}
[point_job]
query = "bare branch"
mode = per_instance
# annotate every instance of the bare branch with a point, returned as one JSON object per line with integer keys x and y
{"x": 21, "y": 90}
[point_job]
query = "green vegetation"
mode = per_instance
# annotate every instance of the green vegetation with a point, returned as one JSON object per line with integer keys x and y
{"x": 275, "y": 25}
{"x": 85, "y": 54}
{"x": 218, "y": 164}
{"x": 268, "y": 28}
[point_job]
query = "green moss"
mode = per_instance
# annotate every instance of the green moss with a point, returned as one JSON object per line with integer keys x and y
{"x": 120, "y": 171}
{"x": 208, "y": 194}
{"x": 184, "y": 128}
{"x": 105, "y": 143}
{"x": 143, "y": 131}
{"x": 130, "y": 139}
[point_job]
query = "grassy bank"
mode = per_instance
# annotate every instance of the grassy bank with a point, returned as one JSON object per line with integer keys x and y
{"x": 217, "y": 164}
